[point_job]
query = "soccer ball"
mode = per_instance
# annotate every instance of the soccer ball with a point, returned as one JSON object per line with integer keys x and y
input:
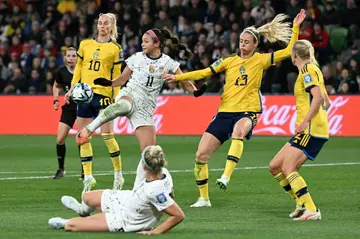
{"x": 82, "y": 93}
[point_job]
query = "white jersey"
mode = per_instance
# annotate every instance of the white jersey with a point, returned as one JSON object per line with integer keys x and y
{"x": 143, "y": 208}
{"x": 145, "y": 81}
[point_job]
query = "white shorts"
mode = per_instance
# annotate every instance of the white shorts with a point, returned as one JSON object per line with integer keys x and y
{"x": 141, "y": 113}
{"x": 112, "y": 204}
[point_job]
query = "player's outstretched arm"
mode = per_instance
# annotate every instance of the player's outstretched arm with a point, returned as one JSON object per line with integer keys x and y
{"x": 192, "y": 75}
{"x": 120, "y": 81}
{"x": 286, "y": 53}
{"x": 189, "y": 87}
{"x": 176, "y": 215}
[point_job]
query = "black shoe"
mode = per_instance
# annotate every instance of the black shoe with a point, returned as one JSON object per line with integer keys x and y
{"x": 59, "y": 173}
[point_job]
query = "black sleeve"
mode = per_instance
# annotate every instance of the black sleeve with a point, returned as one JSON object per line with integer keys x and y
{"x": 58, "y": 77}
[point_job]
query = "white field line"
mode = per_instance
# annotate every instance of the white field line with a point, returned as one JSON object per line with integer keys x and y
{"x": 104, "y": 173}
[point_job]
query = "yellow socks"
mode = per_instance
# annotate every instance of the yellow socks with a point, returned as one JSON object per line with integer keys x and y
{"x": 234, "y": 154}
{"x": 284, "y": 183}
{"x": 201, "y": 172}
{"x": 114, "y": 151}
{"x": 299, "y": 186}
{"x": 86, "y": 155}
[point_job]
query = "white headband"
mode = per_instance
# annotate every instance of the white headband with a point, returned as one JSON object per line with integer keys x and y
{"x": 251, "y": 32}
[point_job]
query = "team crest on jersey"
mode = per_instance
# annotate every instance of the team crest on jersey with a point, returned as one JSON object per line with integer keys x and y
{"x": 151, "y": 68}
{"x": 161, "y": 198}
{"x": 242, "y": 70}
{"x": 96, "y": 55}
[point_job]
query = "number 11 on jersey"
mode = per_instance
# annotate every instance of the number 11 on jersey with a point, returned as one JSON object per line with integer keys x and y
{"x": 150, "y": 81}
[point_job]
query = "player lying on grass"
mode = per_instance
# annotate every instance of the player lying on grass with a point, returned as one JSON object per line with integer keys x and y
{"x": 136, "y": 210}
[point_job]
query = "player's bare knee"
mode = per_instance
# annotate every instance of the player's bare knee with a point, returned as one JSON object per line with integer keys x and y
{"x": 240, "y": 133}
{"x": 202, "y": 156}
{"x": 287, "y": 169}
{"x": 86, "y": 197}
{"x": 123, "y": 107}
{"x": 181, "y": 217}
{"x": 274, "y": 169}
{"x": 60, "y": 141}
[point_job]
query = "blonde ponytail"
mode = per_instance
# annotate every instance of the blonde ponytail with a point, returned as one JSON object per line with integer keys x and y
{"x": 304, "y": 50}
{"x": 113, "y": 30}
{"x": 276, "y": 30}
{"x": 312, "y": 54}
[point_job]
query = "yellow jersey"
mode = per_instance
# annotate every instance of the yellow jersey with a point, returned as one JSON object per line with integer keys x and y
{"x": 309, "y": 77}
{"x": 243, "y": 77}
{"x": 97, "y": 60}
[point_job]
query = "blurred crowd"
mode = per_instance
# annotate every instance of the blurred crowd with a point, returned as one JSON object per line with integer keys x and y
{"x": 34, "y": 35}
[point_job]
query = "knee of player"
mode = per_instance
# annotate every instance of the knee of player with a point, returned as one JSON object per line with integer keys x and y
{"x": 86, "y": 197}
{"x": 123, "y": 106}
{"x": 60, "y": 141}
{"x": 287, "y": 169}
{"x": 181, "y": 217}
{"x": 201, "y": 156}
{"x": 274, "y": 169}
{"x": 239, "y": 133}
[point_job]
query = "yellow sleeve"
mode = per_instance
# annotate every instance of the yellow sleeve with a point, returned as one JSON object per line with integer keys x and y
{"x": 118, "y": 61}
{"x": 217, "y": 67}
{"x": 271, "y": 59}
{"x": 310, "y": 79}
{"x": 194, "y": 75}
{"x": 77, "y": 72}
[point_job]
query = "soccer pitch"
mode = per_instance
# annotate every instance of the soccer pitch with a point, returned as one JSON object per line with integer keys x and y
{"x": 254, "y": 206}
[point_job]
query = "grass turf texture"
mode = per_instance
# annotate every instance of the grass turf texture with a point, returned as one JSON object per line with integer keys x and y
{"x": 254, "y": 206}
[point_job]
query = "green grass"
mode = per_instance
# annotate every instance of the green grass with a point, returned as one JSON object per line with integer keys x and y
{"x": 254, "y": 206}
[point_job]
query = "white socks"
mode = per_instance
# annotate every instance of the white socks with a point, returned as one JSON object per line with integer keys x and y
{"x": 88, "y": 177}
{"x": 117, "y": 174}
{"x": 120, "y": 108}
{"x": 85, "y": 210}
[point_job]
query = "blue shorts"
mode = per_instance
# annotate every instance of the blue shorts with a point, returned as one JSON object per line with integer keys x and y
{"x": 223, "y": 124}
{"x": 92, "y": 109}
{"x": 310, "y": 145}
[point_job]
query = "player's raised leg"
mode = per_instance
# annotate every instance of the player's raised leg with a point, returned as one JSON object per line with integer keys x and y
{"x": 114, "y": 151}
{"x": 293, "y": 161}
{"x": 146, "y": 136}
{"x": 90, "y": 202}
{"x": 241, "y": 128}
{"x": 275, "y": 167}
{"x": 63, "y": 130}
{"x": 207, "y": 146}
{"x": 121, "y": 107}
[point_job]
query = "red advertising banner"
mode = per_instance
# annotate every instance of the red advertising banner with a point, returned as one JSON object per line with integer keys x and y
{"x": 179, "y": 115}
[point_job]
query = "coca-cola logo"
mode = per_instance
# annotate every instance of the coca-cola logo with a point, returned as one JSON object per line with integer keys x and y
{"x": 281, "y": 118}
